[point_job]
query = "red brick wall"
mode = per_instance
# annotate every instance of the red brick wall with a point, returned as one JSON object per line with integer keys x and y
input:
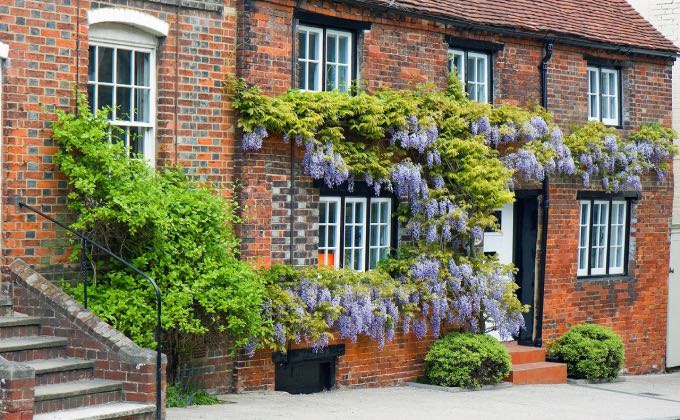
{"x": 633, "y": 305}
{"x": 42, "y": 70}
{"x": 363, "y": 364}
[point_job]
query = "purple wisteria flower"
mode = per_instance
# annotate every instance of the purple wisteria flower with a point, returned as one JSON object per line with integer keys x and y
{"x": 253, "y": 140}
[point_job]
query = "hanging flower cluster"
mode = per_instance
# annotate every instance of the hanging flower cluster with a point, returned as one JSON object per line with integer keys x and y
{"x": 313, "y": 306}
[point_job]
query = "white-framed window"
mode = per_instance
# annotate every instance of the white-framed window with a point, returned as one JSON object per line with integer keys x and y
{"x": 329, "y": 232}
{"x": 380, "y": 227}
{"x": 603, "y": 230}
{"x": 355, "y": 232}
{"x": 474, "y": 71}
{"x": 324, "y": 59}
{"x": 604, "y": 97}
{"x": 122, "y": 76}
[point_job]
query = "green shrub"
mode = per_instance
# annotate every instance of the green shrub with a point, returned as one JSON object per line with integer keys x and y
{"x": 590, "y": 351}
{"x": 181, "y": 395}
{"x": 466, "y": 360}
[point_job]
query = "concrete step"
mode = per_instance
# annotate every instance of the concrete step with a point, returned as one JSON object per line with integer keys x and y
{"x": 19, "y": 325}
{"x": 538, "y": 373}
{"x": 76, "y": 394}
{"x": 55, "y": 371}
{"x": 524, "y": 354}
{"x": 21, "y": 349}
{"x": 100, "y": 412}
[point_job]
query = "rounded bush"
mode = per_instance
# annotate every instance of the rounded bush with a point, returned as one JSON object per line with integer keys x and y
{"x": 466, "y": 360}
{"x": 591, "y": 352}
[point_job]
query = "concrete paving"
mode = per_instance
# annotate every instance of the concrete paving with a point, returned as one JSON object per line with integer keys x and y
{"x": 640, "y": 397}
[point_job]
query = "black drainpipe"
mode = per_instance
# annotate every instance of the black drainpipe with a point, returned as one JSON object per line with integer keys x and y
{"x": 546, "y": 206}
{"x": 291, "y": 249}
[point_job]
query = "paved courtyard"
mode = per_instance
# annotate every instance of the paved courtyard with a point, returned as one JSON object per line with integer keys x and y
{"x": 641, "y": 397}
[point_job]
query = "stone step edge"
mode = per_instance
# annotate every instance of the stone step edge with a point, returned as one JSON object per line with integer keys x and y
{"x": 523, "y": 367}
{"x": 99, "y": 412}
{"x": 75, "y": 389}
{"x": 44, "y": 366}
{"x": 31, "y": 343}
{"x": 18, "y": 321}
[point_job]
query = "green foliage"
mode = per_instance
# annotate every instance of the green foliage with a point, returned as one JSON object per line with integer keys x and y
{"x": 184, "y": 395}
{"x": 466, "y": 360}
{"x": 590, "y": 351}
{"x": 177, "y": 231}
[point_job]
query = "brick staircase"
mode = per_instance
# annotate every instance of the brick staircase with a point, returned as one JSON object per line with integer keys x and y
{"x": 65, "y": 387}
{"x": 529, "y": 366}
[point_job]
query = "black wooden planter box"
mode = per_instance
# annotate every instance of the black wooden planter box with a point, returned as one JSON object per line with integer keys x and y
{"x": 303, "y": 371}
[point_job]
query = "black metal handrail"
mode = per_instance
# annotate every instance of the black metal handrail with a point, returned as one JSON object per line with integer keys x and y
{"x": 83, "y": 240}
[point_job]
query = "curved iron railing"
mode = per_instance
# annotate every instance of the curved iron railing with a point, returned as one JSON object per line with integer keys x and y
{"x": 83, "y": 261}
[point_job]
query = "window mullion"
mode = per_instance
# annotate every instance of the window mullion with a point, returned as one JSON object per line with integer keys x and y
{"x": 590, "y": 235}
{"x": 609, "y": 236}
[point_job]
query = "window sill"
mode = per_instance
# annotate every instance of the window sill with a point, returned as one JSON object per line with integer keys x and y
{"x": 604, "y": 278}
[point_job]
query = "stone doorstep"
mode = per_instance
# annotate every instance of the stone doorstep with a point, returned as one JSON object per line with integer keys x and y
{"x": 75, "y": 389}
{"x": 45, "y": 366}
{"x": 31, "y": 343}
{"x": 99, "y": 412}
{"x": 501, "y": 385}
{"x": 538, "y": 373}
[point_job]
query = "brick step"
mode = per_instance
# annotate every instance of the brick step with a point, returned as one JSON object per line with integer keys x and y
{"x": 6, "y": 306}
{"x": 103, "y": 411}
{"x": 76, "y": 394}
{"x": 538, "y": 373}
{"x": 22, "y": 349}
{"x": 524, "y": 354}
{"x": 19, "y": 325}
{"x": 55, "y": 371}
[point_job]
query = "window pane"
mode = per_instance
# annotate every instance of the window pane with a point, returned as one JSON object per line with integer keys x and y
{"x": 91, "y": 63}
{"x": 343, "y": 50}
{"x": 302, "y": 44}
{"x": 123, "y": 66}
{"x": 302, "y": 75}
{"x": 374, "y": 257}
{"x": 105, "y": 65}
{"x": 90, "y": 96}
{"x": 142, "y": 105}
{"x": 359, "y": 213}
{"x": 348, "y": 237}
{"x": 384, "y": 213}
{"x": 323, "y": 209}
{"x": 142, "y": 69}
{"x": 349, "y": 213}
{"x": 332, "y": 212}
{"x": 331, "y": 77}
{"x": 383, "y": 235}
{"x": 332, "y": 236}
{"x": 331, "y": 48}
{"x": 472, "y": 75}
{"x": 375, "y": 212}
{"x": 481, "y": 70}
{"x": 137, "y": 140}
{"x": 123, "y": 103}
{"x": 343, "y": 78}
{"x": 314, "y": 43}
{"x": 105, "y": 96}
{"x": 313, "y": 75}
{"x": 375, "y": 235}
{"x": 358, "y": 259}
{"x": 322, "y": 236}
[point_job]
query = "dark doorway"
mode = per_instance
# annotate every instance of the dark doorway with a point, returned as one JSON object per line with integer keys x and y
{"x": 526, "y": 233}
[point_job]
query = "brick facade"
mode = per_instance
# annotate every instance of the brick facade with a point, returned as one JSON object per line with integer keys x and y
{"x": 48, "y": 56}
{"x": 209, "y": 40}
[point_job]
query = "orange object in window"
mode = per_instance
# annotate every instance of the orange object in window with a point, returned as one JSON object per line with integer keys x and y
{"x": 330, "y": 260}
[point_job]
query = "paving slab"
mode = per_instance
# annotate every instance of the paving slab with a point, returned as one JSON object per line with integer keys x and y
{"x": 602, "y": 401}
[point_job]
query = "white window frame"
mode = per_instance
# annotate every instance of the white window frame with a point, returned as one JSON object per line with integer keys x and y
{"x": 583, "y": 243}
{"x": 306, "y": 61}
{"x": 387, "y": 225}
{"x": 620, "y": 239}
{"x": 453, "y": 53}
{"x": 350, "y": 41}
{"x": 338, "y": 223}
{"x": 362, "y": 224}
{"x": 608, "y": 248}
{"x": 120, "y": 37}
{"x": 607, "y": 97}
{"x": 464, "y": 73}
{"x": 598, "y": 74}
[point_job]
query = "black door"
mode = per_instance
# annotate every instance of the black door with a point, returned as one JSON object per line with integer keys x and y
{"x": 526, "y": 230}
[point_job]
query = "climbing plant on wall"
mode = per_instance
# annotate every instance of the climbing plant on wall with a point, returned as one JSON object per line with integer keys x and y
{"x": 451, "y": 162}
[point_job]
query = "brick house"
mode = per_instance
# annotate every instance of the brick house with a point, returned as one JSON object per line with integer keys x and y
{"x": 162, "y": 62}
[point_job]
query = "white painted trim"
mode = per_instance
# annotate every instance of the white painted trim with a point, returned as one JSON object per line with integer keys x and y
{"x": 130, "y": 17}
{"x": 4, "y": 50}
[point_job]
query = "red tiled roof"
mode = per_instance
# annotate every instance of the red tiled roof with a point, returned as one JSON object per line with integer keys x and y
{"x": 612, "y": 22}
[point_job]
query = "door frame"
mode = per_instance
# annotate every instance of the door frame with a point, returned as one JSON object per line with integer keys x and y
{"x": 673, "y": 347}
